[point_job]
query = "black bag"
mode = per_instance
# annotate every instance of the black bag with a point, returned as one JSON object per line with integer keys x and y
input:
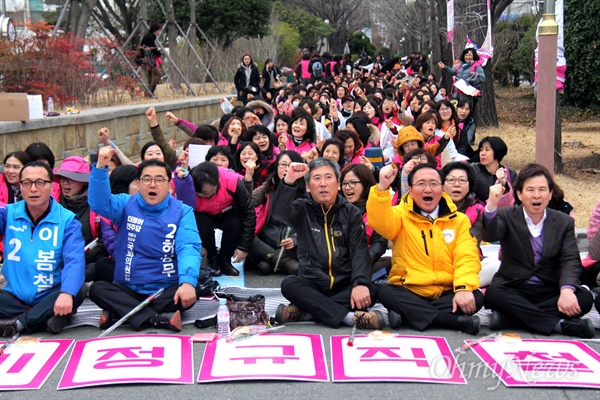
{"x": 146, "y": 59}
{"x": 206, "y": 284}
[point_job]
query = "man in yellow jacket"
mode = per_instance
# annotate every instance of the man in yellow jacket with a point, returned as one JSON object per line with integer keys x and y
{"x": 434, "y": 279}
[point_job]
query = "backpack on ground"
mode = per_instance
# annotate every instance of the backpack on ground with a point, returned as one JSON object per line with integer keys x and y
{"x": 317, "y": 70}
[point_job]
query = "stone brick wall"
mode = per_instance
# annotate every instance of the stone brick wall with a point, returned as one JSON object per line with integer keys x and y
{"x": 77, "y": 135}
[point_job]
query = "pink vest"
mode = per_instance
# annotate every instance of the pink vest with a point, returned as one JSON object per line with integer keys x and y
{"x": 215, "y": 205}
{"x": 304, "y": 69}
{"x": 304, "y": 146}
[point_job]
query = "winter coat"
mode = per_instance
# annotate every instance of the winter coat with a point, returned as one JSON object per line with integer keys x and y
{"x": 428, "y": 257}
{"x": 239, "y": 79}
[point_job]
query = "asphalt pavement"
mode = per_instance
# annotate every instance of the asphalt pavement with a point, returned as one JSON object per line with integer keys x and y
{"x": 482, "y": 384}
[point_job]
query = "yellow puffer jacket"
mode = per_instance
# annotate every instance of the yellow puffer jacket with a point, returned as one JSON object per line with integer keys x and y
{"x": 428, "y": 257}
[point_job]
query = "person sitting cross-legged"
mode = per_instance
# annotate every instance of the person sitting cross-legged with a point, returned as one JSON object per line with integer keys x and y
{"x": 334, "y": 275}
{"x": 537, "y": 285}
{"x": 158, "y": 246}
{"x": 434, "y": 280}
{"x": 44, "y": 258}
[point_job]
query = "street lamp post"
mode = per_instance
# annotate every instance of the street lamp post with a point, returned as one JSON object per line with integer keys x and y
{"x": 546, "y": 88}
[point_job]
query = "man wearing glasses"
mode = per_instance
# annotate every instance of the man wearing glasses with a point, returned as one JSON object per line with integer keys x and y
{"x": 158, "y": 247}
{"x": 434, "y": 281}
{"x": 44, "y": 258}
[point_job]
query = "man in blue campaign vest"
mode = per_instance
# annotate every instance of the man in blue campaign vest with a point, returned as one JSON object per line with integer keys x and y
{"x": 44, "y": 258}
{"x": 158, "y": 246}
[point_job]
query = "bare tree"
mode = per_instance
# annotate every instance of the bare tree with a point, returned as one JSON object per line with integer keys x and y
{"x": 345, "y": 16}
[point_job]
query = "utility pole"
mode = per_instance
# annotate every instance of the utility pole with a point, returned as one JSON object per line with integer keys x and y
{"x": 546, "y": 88}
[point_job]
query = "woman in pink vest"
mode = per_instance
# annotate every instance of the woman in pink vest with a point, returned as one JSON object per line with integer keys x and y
{"x": 220, "y": 201}
{"x": 301, "y": 136}
{"x": 302, "y": 70}
{"x": 10, "y": 183}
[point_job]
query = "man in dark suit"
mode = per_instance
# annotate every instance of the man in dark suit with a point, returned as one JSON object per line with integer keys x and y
{"x": 537, "y": 284}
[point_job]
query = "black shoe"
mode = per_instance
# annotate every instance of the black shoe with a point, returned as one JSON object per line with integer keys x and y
{"x": 264, "y": 268}
{"x": 228, "y": 269}
{"x": 8, "y": 327}
{"x": 395, "y": 319}
{"x": 170, "y": 321}
{"x": 213, "y": 267}
{"x": 580, "y": 327}
{"x": 469, "y": 324}
{"x": 498, "y": 321}
{"x": 285, "y": 314}
{"x": 56, "y": 323}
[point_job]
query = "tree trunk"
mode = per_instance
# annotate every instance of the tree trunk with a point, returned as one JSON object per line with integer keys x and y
{"x": 434, "y": 28}
{"x": 558, "y": 159}
{"x": 74, "y": 13}
{"x": 173, "y": 50}
{"x": 84, "y": 17}
{"x": 486, "y": 115}
{"x": 143, "y": 17}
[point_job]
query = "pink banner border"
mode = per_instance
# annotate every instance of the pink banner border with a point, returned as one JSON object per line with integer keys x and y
{"x": 187, "y": 364}
{"x": 321, "y": 371}
{"x": 509, "y": 381}
{"x": 337, "y": 363}
{"x": 45, "y": 372}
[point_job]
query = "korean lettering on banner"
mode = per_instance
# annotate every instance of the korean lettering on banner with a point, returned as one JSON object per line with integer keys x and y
{"x": 45, "y": 263}
{"x": 541, "y": 361}
{"x": 128, "y": 357}
{"x": 134, "y": 226}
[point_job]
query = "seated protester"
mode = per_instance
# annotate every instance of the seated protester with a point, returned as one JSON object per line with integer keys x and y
{"x": 537, "y": 284}
{"x": 357, "y": 180}
{"x": 252, "y": 165}
{"x": 459, "y": 184}
{"x": 591, "y": 262}
{"x": 10, "y": 186}
{"x": 40, "y": 294}
{"x": 427, "y": 123}
{"x": 333, "y": 149}
{"x": 466, "y": 122}
{"x": 263, "y": 137}
{"x": 272, "y": 235}
{"x": 412, "y": 159}
{"x": 367, "y": 133}
{"x": 221, "y": 201}
{"x": 124, "y": 179}
{"x": 301, "y": 136}
{"x": 282, "y": 125}
{"x": 434, "y": 281}
{"x": 263, "y": 111}
{"x": 157, "y": 248}
{"x": 310, "y": 107}
{"x": 450, "y": 123}
{"x": 73, "y": 176}
{"x": 376, "y": 117}
{"x": 334, "y": 276}
{"x": 353, "y": 148}
{"x": 221, "y": 156}
{"x": 235, "y": 131}
{"x": 489, "y": 171}
{"x": 408, "y": 139}
{"x": 557, "y": 202}
{"x": 168, "y": 154}
{"x": 248, "y": 117}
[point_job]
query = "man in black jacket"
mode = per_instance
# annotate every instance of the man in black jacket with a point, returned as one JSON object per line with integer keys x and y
{"x": 334, "y": 275}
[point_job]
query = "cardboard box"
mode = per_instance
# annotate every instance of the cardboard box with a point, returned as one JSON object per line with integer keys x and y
{"x": 14, "y": 107}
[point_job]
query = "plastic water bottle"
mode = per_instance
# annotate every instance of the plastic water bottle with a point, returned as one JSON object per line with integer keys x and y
{"x": 50, "y": 105}
{"x": 223, "y": 319}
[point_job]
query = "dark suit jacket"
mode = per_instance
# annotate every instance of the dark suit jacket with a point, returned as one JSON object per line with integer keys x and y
{"x": 560, "y": 264}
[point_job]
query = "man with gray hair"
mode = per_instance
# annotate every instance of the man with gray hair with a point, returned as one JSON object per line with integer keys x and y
{"x": 334, "y": 277}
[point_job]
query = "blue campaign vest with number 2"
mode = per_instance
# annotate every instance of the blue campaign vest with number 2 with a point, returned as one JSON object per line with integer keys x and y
{"x": 33, "y": 255}
{"x": 145, "y": 250}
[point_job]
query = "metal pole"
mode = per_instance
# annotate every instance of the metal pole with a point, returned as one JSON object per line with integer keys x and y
{"x": 546, "y": 88}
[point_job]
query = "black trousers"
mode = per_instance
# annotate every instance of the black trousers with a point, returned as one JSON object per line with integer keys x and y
{"x": 229, "y": 222}
{"x": 34, "y": 318}
{"x": 327, "y": 307}
{"x": 534, "y": 306}
{"x": 420, "y": 311}
{"x": 119, "y": 300}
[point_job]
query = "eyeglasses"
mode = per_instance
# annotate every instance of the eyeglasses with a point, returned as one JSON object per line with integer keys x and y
{"x": 423, "y": 185}
{"x": 40, "y": 183}
{"x": 157, "y": 181}
{"x": 211, "y": 194}
{"x": 349, "y": 184}
{"x": 420, "y": 158}
{"x": 461, "y": 181}
{"x": 284, "y": 165}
